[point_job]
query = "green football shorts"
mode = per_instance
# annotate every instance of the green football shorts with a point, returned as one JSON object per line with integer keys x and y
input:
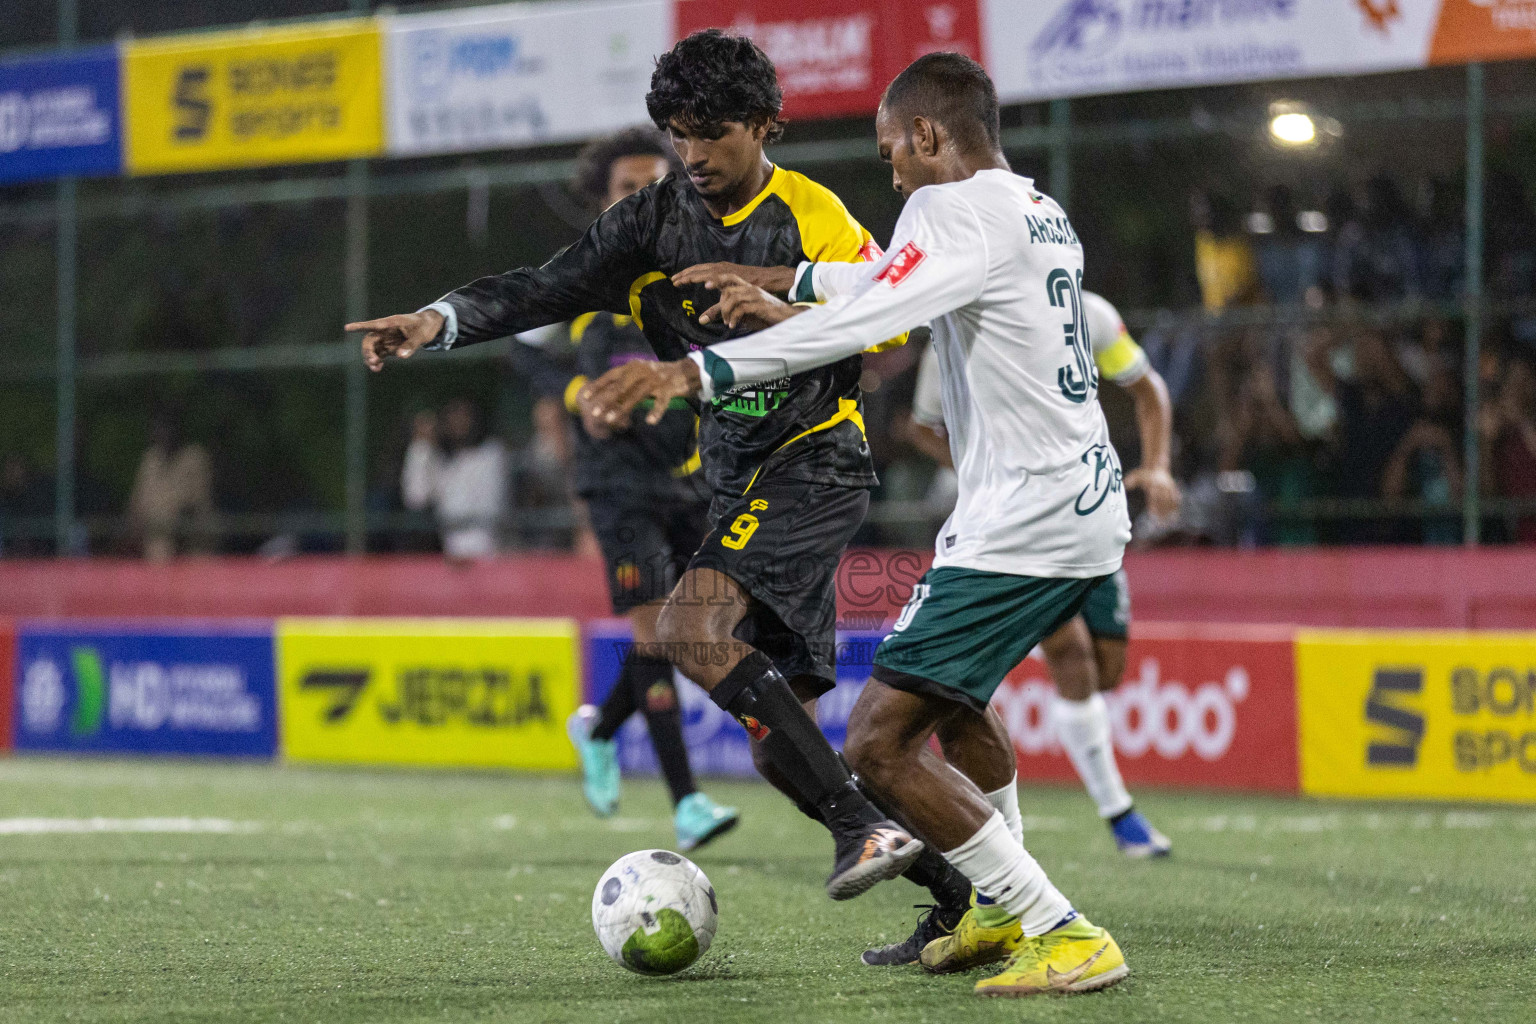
{"x": 1108, "y": 608}
{"x": 963, "y": 630}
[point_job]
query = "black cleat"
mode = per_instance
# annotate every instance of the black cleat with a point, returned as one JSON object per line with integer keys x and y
{"x": 935, "y": 923}
{"x": 870, "y": 855}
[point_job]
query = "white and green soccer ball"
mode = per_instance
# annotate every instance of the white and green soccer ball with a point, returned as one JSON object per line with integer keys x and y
{"x": 654, "y": 912}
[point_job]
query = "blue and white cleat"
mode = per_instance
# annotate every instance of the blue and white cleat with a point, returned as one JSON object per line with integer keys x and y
{"x": 1136, "y": 837}
{"x": 699, "y": 819}
{"x": 599, "y": 762}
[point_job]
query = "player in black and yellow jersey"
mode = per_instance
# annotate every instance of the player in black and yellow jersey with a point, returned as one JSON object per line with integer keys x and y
{"x": 648, "y": 507}
{"x": 752, "y": 619}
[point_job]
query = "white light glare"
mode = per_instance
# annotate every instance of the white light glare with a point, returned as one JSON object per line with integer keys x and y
{"x": 1293, "y": 129}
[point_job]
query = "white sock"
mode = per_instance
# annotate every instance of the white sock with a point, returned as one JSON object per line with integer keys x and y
{"x": 1006, "y": 800}
{"x": 998, "y": 865}
{"x": 1082, "y": 726}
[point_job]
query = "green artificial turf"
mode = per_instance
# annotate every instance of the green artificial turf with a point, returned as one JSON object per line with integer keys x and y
{"x": 351, "y": 896}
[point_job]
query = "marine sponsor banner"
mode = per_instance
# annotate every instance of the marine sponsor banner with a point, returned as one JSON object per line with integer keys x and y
{"x": 1409, "y": 714}
{"x": 182, "y": 688}
{"x": 253, "y": 97}
{"x": 467, "y": 692}
{"x": 1056, "y": 48}
{"x": 717, "y": 744}
{"x": 835, "y": 57}
{"x": 59, "y": 115}
{"x": 1198, "y": 706}
{"x": 7, "y": 682}
{"x": 518, "y": 74}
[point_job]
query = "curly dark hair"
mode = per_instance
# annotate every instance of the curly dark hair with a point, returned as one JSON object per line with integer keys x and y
{"x": 597, "y": 158}
{"x": 710, "y": 78}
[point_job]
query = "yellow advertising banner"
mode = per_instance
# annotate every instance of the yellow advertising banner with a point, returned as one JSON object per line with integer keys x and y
{"x": 1417, "y": 715}
{"x": 252, "y": 97}
{"x": 471, "y": 692}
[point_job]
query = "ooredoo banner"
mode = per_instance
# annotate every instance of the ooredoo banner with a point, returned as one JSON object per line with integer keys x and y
{"x": 518, "y": 74}
{"x": 1418, "y": 715}
{"x": 835, "y": 57}
{"x": 59, "y": 115}
{"x": 253, "y": 97}
{"x": 464, "y": 692}
{"x": 1199, "y": 706}
{"x": 181, "y": 688}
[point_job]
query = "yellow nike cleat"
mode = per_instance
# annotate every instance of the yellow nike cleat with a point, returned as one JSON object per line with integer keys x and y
{"x": 1077, "y": 957}
{"x": 972, "y": 943}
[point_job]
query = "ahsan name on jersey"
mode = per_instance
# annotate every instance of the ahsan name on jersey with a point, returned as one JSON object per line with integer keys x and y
{"x": 1051, "y": 230}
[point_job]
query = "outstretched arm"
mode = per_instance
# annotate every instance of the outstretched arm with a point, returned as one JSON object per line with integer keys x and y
{"x": 594, "y": 273}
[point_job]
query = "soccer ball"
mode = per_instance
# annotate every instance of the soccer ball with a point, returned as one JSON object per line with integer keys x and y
{"x": 654, "y": 912}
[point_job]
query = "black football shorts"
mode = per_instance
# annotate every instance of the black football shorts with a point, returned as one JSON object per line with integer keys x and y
{"x": 782, "y": 541}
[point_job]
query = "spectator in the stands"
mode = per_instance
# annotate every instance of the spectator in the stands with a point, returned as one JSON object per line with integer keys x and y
{"x": 1376, "y": 405}
{"x": 1290, "y": 260}
{"x": 456, "y": 470}
{"x": 1427, "y": 463}
{"x": 1374, "y": 258}
{"x": 1259, "y": 436}
{"x": 1511, "y": 242}
{"x": 1442, "y": 253}
{"x": 25, "y": 494}
{"x": 1224, "y": 260}
{"x": 170, "y": 510}
{"x": 1508, "y": 427}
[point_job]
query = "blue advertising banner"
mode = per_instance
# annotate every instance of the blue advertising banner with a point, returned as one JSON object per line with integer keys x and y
{"x": 186, "y": 688}
{"x": 60, "y": 115}
{"x": 717, "y": 745}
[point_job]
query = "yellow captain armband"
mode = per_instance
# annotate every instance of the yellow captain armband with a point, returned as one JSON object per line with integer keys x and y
{"x": 1124, "y": 362}
{"x": 571, "y": 390}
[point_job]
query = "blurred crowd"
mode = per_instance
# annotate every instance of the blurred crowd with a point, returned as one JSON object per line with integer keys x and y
{"x": 1318, "y": 394}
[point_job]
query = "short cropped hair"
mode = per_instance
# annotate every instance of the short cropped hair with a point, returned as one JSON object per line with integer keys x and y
{"x": 711, "y": 78}
{"x": 949, "y": 89}
{"x": 594, "y": 163}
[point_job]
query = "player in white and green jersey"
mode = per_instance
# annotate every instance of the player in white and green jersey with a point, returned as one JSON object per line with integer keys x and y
{"x": 995, "y": 269}
{"x": 1087, "y": 655}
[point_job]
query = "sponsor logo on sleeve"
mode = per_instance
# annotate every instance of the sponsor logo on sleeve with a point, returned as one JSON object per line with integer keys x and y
{"x": 907, "y": 259}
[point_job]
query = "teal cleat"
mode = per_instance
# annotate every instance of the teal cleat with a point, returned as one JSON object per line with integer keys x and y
{"x": 699, "y": 819}
{"x": 599, "y": 762}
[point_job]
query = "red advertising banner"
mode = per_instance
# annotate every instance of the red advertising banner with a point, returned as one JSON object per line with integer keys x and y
{"x": 1199, "y": 706}
{"x": 835, "y": 57}
{"x": 7, "y": 683}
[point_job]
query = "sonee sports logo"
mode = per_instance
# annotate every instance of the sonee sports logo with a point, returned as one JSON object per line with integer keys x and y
{"x": 1383, "y": 706}
{"x": 907, "y": 259}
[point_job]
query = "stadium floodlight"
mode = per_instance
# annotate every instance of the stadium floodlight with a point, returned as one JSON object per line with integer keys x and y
{"x": 1294, "y": 125}
{"x": 1293, "y": 129}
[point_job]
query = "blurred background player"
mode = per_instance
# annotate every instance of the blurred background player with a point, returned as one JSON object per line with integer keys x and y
{"x": 648, "y": 508}
{"x": 1087, "y": 655}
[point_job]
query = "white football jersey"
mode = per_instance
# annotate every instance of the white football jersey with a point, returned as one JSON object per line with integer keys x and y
{"x": 1115, "y": 352}
{"x": 996, "y": 269}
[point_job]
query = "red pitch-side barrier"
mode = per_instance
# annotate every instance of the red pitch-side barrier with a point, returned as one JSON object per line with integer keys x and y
{"x": 1387, "y": 587}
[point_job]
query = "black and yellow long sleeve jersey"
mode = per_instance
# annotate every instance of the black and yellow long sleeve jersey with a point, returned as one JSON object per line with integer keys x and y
{"x": 659, "y": 461}
{"x": 806, "y": 427}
